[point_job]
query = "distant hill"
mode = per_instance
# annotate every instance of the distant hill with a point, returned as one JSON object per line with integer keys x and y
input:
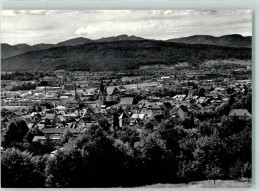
{"x": 234, "y": 40}
{"x": 119, "y": 38}
{"x": 9, "y": 50}
{"x": 74, "y": 42}
{"x": 228, "y": 40}
{"x": 120, "y": 55}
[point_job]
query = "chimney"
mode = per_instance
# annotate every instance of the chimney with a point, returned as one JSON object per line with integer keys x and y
{"x": 75, "y": 90}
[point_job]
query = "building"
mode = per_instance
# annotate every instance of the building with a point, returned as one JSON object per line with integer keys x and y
{"x": 124, "y": 119}
{"x": 241, "y": 113}
{"x": 127, "y": 103}
{"x": 69, "y": 86}
{"x": 102, "y": 94}
{"x": 183, "y": 112}
{"x": 49, "y": 80}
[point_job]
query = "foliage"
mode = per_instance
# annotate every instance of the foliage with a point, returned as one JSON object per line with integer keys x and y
{"x": 66, "y": 136}
{"x": 207, "y": 145}
{"x": 34, "y": 131}
{"x": 120, "y": 55}
{"x": 15, "y": 133}
{"x": 17, "y": 169}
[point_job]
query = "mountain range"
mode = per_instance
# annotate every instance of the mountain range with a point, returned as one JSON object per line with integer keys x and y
{"x": 9, "y": 50}
{"x": 119, "y": 55}
{"x": 234, "y": 40}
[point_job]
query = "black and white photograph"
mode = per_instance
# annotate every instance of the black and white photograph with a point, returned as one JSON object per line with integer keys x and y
{"x": 126, "y": 98}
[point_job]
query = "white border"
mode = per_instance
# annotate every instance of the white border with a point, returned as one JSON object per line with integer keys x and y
{"x": 253, "y": 5}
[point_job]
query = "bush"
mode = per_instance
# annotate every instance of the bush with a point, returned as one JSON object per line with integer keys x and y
{"x": 17, "y": 169}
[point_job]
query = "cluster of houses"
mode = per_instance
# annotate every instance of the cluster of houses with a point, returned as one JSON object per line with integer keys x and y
{"x": 77, "y": 112}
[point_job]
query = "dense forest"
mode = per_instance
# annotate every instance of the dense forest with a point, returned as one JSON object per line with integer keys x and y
{"x": 120, "y": 55}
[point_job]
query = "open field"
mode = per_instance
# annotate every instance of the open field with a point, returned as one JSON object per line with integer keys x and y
{"x": 211, "y": 63}
{"x": 205, "y": 184}
{"x": 9, "y": 107}
{"x": 129, "y": 86}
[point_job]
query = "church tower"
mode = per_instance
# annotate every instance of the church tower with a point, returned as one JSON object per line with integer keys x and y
{"x": 102, "y": 94}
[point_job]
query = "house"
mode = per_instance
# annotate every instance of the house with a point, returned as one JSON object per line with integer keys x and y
{"x": 49, "y": 79}
{"x": 49, "y": 116}
{"x": 241, "y": 113}
{"x": 91, "y": 116}
{"x": 179, "y": 98}
{"x": 127, "y": 103}
{"x": 212, "y": 95}
{"x": 140, "y": 116}
{"x": 166, "y": 106}
{"x": 147, "y": 114}
{"x": 59, "y": 131}
{"x": 124, "y": 119}
{"x": 183, "y": 112}
{"x": 86, "y": 122}
{"x": 69, "y": 86}
{"x": 156, "y": 109}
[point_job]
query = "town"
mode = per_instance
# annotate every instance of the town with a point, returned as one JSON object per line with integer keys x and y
{"x": 76, "y": 100}
{"x": 58, "y": 107}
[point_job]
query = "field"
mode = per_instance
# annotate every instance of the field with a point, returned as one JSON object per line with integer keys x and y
{"x": 205, "y": 184}
{"x": 14, "y": 107}
{"x": 129, "y": 86}
{"x": 211, "y": 63}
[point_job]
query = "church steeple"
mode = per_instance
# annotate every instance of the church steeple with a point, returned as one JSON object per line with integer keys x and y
{"x": 102, "y": 94}
{"x": 102, "y": 89}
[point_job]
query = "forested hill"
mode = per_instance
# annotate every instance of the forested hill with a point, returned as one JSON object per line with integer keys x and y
{"x": 120, "y": 55}
{"x": 234, "y": 40}
{"x": 13, "y": 50}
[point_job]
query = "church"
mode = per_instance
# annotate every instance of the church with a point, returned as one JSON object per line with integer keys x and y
{"x": 104, "y": 101}
{"x": 102, "y": 94}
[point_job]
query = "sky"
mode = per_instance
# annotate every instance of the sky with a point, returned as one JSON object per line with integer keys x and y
{"x": 50, "y": 26}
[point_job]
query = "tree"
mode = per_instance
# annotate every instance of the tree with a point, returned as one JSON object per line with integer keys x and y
{"x": 10, "y": 135}
{"x": 202, "y": 92}
{"x": 17, "y": 169}
{"x": 66, "y": 136}
{"x": 23, "y": 129}
{"x": 231, "y": 99}
{"x": 15, "y": 133}
{"x": 39, "y": 175}
{"x": 187, "y": 171}
{"x": 65, "y": 169}
{"x": 152, "y": 152}
{"x": 115, "y": 119}
{"x": 230, "y": 90}
{"x": 33, "y": 132}
{"x": 149, "y": 125}
{"x": 212, "y": 171}
{"x": 104, "y": 124}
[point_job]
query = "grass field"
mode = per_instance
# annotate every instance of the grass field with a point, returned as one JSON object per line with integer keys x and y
{"x": 204, "y": 184}
{"x": 129, "y": 86}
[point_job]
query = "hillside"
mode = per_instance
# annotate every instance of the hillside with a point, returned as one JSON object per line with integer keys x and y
{"x": 234, "y": 40}
{"x": 9, "y": 50}
{"x": 118, "y": 38}
{"x": 74, "y": 42}
{"x": 120, "y": 55}
{"x": 228, "y": 40}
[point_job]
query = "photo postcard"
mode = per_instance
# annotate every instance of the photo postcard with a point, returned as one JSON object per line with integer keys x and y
{"x": 126, "y": 98}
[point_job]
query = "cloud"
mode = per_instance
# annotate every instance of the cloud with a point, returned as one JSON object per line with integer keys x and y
{"x": 87, "y": 30}
{"x": 15, "y": 13}
{"x": 52, "y": 26}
